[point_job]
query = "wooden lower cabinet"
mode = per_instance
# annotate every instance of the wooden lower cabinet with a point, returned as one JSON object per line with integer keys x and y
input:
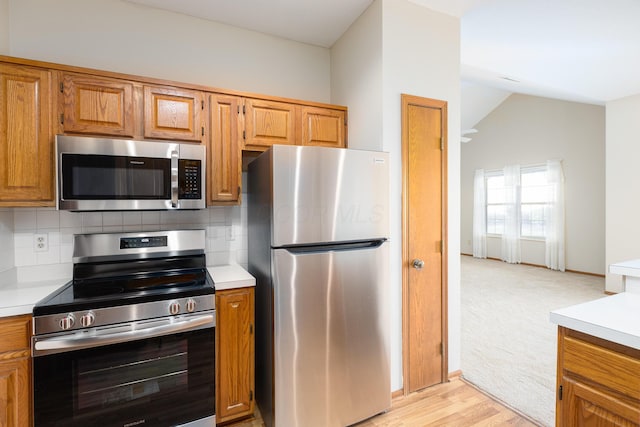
{"x": 598, "y": 382}
{"x": 15, "y": 371}
{"x": 234, "y": 354}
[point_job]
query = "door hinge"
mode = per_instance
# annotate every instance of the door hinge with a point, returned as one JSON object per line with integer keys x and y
{"x": 560, "y": 393}
{"x": 250, "y": 395}
{"x": 202, "y": 130}
{"x": 61, "y": 118}
{"x": 61, "y": 87}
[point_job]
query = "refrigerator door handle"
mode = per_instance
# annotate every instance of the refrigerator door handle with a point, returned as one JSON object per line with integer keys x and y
{"x": 346, "y": 246}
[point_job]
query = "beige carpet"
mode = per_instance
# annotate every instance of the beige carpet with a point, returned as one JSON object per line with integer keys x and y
{"x": 508, "y": 342}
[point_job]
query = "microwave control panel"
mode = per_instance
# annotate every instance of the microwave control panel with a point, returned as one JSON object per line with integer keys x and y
{"x": 189, "y": 179}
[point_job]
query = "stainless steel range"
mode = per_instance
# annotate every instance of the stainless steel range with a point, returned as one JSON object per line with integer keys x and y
{"x": 130, "y": 341}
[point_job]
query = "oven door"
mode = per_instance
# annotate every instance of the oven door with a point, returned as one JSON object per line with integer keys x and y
{"x": 160, "y": 380}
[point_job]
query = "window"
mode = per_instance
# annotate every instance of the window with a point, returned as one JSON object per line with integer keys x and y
{"x": 534, "y": 193}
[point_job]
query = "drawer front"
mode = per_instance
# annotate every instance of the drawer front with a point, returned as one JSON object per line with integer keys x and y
{"x": 16, "y": 332}
{"x": 609, "y": 368}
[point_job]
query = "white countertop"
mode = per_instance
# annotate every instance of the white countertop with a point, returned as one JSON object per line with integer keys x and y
{"x": 230, "y": 277}
{"x": 614, "y": 318}
{"x": 19, "y": 298}
{"x": 626, "y": 268}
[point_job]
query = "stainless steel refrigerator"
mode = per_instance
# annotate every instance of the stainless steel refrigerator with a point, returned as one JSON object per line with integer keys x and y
{"x": 318, "y": 230}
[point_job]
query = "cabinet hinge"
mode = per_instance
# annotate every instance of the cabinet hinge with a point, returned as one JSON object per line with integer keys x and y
{"x": 441, "y": 144}
{"x": 251, "y": 325}
{"x": 560, "y": 393}
{"x": 250, "y": 395}
{"x": 61, "y": 118}
{"x": 442, "y": 348}
{"x": 61, "y": 87}
{"x": 202, "y": 130}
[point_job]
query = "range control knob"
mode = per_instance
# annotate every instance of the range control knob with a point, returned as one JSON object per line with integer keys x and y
{"x": 88, "y": 319}
{"x": 174, "y": 307}
{"x": 191, "y": 305}
{"x": 67, "y": 322}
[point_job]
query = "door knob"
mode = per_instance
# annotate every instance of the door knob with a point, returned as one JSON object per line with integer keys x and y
{"x": 418, "y": 264}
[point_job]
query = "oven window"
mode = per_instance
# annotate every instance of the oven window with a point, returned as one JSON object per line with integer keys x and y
{"x": 161, "y": 382}
{"x": 123, "y": 376}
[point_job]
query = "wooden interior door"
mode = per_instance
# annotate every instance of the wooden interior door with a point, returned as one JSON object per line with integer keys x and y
{"x": 424, "y": 240}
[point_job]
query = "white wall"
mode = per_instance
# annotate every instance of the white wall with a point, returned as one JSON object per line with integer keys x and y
{"x": 529, "y": 130}
{"x": 356, "y": 78}
{"x": 399, "y": 47}
{"x": 421, "y": 56}
{"x": 125, "y": 37}
{"x": 4, "y": 27}
{"x": 623, "y": 179}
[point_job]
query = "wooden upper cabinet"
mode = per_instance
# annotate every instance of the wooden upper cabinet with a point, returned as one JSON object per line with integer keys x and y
{"x": 173, "y": 113}
{"x": 94, "y": 105}
{"x": 26, "y": 136}
{"x": 323, "y": 127}
{"x": 224, "y": 162}
{"x": 268, "y": 123}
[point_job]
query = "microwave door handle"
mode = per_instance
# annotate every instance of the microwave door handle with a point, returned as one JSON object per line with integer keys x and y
{"x": 174, "y": 179}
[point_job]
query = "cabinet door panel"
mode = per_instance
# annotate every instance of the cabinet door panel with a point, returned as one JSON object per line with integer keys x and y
{"x": 235, "y": 353}
{"x": 587, "y": 406}
{"x": 323, "y": 127}
{"x": 173, "y": 113}
{"x": 15, "y": 389}
{"x": 224, "y": 153}
{"x": 26, "y": 137}
{"x": 268, "y": 123}
{"x": 98, "y": 106}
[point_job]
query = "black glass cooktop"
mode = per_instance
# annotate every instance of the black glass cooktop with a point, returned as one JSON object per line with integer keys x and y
{"x": 108, "y": 284}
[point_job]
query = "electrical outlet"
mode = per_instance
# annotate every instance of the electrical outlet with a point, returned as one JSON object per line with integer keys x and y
{"x": 40, "y": 242}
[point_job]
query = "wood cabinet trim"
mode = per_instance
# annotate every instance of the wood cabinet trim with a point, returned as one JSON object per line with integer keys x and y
{"x": 162, "y": 82}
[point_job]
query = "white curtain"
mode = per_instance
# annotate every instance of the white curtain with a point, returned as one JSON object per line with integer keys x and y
{"x": 479, "y": 215}
{"x": 554, "y": 217}
{"x": 512, "y": 219}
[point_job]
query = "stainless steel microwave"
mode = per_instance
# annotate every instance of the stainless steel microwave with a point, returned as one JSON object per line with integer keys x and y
{"x": 102, "y": 174}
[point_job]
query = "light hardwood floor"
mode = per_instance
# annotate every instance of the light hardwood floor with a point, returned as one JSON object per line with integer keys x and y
{"x": 455, "y": 404}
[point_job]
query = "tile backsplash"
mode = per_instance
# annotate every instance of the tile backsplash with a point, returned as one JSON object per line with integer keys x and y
{"x": 6, "y": 240}
{"x": 44, "y": 236}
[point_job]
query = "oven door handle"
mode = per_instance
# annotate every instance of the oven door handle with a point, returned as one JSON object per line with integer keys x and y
{"x": 45, "y": 346}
